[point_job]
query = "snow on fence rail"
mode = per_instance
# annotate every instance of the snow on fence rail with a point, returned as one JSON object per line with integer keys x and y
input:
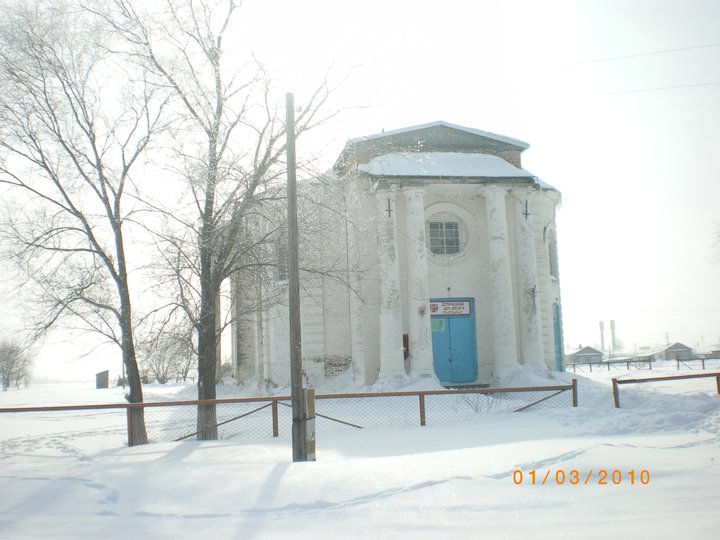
{"x": 262, "y": 417}
{"x": 616, "y": 383}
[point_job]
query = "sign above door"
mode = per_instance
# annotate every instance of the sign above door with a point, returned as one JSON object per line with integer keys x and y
{"x": 450, "y": 307}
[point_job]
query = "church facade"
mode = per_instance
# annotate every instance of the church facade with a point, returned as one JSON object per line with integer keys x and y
{"x": 427, "y": 251}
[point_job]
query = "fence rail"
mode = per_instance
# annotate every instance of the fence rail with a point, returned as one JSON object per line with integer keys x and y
{"x": 617, "y": 382}
{"x": 636, "y": 363}
{"x": 169, "y": 420}
{"x": 702, "y": 359}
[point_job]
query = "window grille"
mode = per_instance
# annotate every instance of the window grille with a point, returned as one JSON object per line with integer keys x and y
{"x": 444, "y": 237}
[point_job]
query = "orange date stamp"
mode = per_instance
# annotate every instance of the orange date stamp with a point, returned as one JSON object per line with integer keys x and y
{"x": 573, "y": 477}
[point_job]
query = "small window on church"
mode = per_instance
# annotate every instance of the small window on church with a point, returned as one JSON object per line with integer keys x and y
{"x": 553, "y": 256}
{"x": 444, "y": 237}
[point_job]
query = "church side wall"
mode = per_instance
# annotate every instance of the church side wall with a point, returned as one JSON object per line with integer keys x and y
{"x": 278, "y": 325}
{"x": 336, "y": 327}
{"x": 325, "y": 260}
{"x": 247, "y": 331}
{"x": 548, "y": 285}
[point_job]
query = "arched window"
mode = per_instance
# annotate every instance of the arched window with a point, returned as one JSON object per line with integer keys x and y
{"x": 552, "y": 255}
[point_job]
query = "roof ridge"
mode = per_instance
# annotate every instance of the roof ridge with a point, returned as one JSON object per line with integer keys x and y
{"x": 500, "y": 138}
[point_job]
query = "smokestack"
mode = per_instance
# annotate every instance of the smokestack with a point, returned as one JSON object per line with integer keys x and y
{"x": 602, "y": 336}
{"x": 612, "y": 335}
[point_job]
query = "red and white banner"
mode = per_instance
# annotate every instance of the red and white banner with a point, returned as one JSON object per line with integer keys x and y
{"x": 450, "y": 308}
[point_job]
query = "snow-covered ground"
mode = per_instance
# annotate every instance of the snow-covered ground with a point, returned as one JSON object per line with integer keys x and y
{"x": 72, "y": 476}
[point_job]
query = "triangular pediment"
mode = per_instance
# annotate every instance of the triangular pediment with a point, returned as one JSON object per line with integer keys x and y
{"x": 426, "y": 138}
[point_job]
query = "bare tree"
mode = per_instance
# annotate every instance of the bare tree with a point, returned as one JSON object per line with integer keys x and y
{"x": 74, "y": 121}
{"x": 230, "y": 156}
{"x": 15, "y": 365}
{"x": 169, "y": 354}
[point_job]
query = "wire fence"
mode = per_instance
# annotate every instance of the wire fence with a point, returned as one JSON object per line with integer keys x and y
{"x": 266, "y": 417}
{"x": 610, "y": 365}
{"x": 697, "y": 363}
{"x": 236, "y": 419}
{"x": 649, "y": 391}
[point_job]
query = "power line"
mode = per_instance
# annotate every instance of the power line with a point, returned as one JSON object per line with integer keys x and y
{"x": 624, "y": 57}
{"x": 656, "y": 89}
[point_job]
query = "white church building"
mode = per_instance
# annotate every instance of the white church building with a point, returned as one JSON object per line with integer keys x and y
{"x": 425, "y": 251}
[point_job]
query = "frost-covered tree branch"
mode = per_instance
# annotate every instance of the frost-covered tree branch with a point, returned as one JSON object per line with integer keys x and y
{"x": 229, "y": 157}
{"x": 74, "y": 121}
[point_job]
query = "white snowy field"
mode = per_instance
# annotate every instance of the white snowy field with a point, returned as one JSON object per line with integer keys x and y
{"x": 72, "y": 476}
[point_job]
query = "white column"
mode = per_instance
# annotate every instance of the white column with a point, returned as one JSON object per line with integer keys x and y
{"x": 419, "y": 330}
{"x": 501, "y": 287}
{"x": 531, "y": 347}
{"x": 392, "y": 361}
{"x": 355, "y": 304}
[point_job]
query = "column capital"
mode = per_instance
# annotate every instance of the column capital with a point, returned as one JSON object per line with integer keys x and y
{"x": 524, "y": 190}
{"x": 413, "y": 189}
{"x": 495, "y": 189}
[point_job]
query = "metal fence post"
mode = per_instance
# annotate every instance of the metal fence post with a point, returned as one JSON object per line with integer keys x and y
{"x": 717, "y": 380}
{"x": 422, "y": 409}
{"x": 616, "y": 393}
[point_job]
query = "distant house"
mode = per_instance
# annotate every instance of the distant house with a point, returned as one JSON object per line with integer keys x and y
{"x": 676, "y": 351}
{"x": 586, "y": 355}
{"x": 645, "y": 357}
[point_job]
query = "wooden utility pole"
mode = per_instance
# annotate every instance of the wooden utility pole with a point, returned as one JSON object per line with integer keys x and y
{"x": 299, "y": 423}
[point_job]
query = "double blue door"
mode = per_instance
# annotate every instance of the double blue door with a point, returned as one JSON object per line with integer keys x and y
{"x": 453, "y": 339}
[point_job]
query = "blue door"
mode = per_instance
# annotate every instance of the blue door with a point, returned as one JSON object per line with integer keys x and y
{"x": 453, "y": 339}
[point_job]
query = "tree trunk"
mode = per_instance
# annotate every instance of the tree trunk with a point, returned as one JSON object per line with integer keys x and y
{"x": 207, "y": 372}
{"x": 207, "y": 344}
{"x": 137, "y": 434}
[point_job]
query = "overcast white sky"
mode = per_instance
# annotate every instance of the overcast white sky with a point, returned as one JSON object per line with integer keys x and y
{"x": 618, "y": 99}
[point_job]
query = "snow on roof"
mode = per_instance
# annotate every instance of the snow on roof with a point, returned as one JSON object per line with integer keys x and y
{"x": 500, "y": 138}
{"x": 442, "y": 164}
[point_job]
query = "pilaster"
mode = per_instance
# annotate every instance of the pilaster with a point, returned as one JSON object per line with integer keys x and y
{"x": 419, "y": 329}
{"x": 392, "y": 362}
{"x": 531, "y": 347}
{"x": 501, "y": 286}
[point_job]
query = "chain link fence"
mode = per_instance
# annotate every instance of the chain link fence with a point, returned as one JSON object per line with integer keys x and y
{"x": 650, "y": 392}
{"x": 432, "y": 407}
{"x": 236, "y": 419}
{"x": 697, "y": 363}
{"x": 262, "y": 418}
